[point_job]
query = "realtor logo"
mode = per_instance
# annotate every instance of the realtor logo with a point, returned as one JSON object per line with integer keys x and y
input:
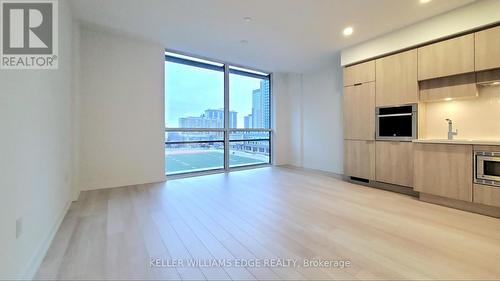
{"x": 29, "y": 34}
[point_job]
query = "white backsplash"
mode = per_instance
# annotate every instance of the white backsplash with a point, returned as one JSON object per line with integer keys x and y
{"x": 477, "y": 118}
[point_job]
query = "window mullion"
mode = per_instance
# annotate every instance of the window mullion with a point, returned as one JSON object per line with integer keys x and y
{"x": 226, "y": 117}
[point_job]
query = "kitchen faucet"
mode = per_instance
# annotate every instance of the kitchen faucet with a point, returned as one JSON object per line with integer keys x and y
{"x": 450, "y": 129}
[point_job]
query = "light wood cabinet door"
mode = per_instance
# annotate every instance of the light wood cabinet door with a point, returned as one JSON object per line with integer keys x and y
{"x": 359, "y": 159}
{"x": 443, "y": 170}
{"x": 487, "y": 195}
{"x": 450, "y": 57}
{"x": 397, "y": 81}
{"x": 394, "y": 162}
{"x": 487, "y": 49}
{"x": 359, "y": 73}
{"x": 359, "y": 112}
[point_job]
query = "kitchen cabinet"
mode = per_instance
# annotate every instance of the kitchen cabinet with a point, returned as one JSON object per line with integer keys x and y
{"x": 487, "y": 49}
{"x": 452, "y": 87}
{"x": 359, "y": 73}
{"x": 394, "y": 162}
{"x": 359, "y": 159}
{"x": 443, "y": 170}
{"x": 487, "y": 195}
{"x": 446, "y": 58}
{"x": 396, "y": 81}
{"x": 359, "y": 112}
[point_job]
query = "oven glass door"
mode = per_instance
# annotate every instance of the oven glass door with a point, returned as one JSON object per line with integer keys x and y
{"x": 396, "y": 125}
{"x": 492, "y": 168}
{"x": 396, "y": 122}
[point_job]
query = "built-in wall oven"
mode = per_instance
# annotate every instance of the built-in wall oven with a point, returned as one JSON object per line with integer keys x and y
{"x": 397, "y": 123}
{"x": 487, "y": 168}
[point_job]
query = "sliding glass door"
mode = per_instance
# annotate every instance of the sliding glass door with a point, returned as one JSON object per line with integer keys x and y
{"x": 217, "y": 116}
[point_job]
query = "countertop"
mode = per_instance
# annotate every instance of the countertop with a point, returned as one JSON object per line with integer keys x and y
{"x": 460, "y": 141}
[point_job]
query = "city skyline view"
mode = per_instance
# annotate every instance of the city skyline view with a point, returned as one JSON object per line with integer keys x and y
{"x": 214, "y": 118}
{"x": 192, "y": 91}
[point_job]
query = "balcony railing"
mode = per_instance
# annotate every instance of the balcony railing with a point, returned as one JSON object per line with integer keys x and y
{"x": 194, "y": 150}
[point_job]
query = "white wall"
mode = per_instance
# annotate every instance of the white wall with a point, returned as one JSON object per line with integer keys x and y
{"x": 121, "y": 110}
{"x": 75, "y": 109}
{"x": 35, "y": 156}
{"x": 308, "y": 113}
{"x": 296, "y": 113}
{"x": 280, "y": 119}
{"x": 322, "y": 118}
{"x": 476, "y": 15}
{"x": 287, "y": 109}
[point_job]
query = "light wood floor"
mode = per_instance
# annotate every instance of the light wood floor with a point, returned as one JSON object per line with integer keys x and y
{"x": 269, "y": 213}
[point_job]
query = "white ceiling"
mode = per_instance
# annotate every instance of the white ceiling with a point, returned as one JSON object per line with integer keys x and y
{"x": 284, "y": 35}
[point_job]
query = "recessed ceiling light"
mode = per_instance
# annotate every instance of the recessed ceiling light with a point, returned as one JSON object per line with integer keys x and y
{"x": 448, "y": 99}
{"x": 424, "y": 1}
{"x": 244, "y": 42}
{"x": 348, "y": 31}
{"x": 247, "y": 19}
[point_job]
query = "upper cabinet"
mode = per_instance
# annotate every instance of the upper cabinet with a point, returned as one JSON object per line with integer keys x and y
{"x": 487, "y": 49}
{"x": 397, "y": 79}
{"x": 359, "y": 73}
{"x": 446, "y": 58}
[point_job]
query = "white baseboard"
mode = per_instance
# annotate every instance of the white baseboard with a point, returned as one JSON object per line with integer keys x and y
{"x": 36, "y": 259}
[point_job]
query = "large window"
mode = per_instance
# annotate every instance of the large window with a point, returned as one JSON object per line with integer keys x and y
{"x": 217, "y": 116}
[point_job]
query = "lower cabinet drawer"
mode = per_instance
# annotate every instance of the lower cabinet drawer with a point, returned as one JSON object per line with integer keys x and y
{"x": 487, "y": 195}
{"x": 359, "y": 159}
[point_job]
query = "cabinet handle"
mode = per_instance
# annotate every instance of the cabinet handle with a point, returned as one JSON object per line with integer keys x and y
{"x": 357, "y": 84}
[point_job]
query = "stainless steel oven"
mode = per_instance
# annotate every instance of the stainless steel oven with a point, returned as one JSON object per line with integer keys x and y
{"x": 487, "y": 168}
{"x": 397, "y": 123}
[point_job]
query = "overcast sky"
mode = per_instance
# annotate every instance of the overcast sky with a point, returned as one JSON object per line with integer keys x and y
{"x": 191, "y": 90}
